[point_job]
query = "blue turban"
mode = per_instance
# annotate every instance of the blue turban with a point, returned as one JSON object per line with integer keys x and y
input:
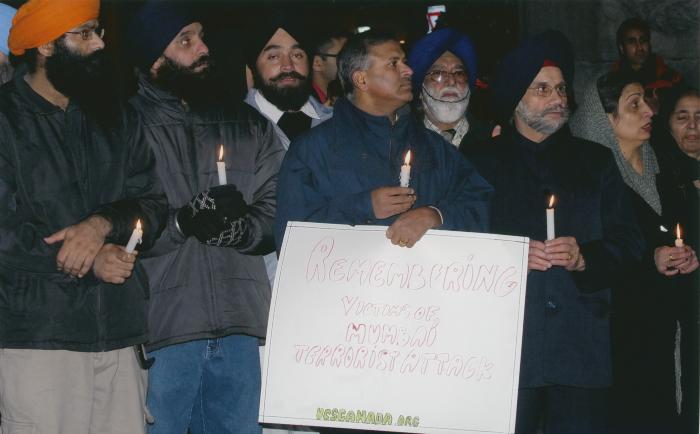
{"x": 433, "y": 45}
{"x": 153, "y": 27}
{"x": 6, "y": 14}
{"x": 519, "y": 67}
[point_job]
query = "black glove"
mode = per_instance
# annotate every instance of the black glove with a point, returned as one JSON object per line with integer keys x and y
{"x": 208, "y": 212}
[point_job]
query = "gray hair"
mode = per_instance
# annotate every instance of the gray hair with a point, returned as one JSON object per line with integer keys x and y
{"x": 355, "y": 56}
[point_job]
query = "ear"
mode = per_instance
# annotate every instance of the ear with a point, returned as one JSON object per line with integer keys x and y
{"x": 47, "y": 49}
{"x": 621, "y": 50}
{"x": 156, "y": 66}
{"x": 612, "y": 118}
{"x": 359, "y": 80}
{"x": 317, "y": 64}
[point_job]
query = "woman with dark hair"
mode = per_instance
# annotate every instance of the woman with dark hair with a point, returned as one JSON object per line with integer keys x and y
{"x": 676, "y": 141}
{"x": 648, "y": 304}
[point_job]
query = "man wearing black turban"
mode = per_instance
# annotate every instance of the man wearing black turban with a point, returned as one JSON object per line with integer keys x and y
{"x": 565, "y": 369}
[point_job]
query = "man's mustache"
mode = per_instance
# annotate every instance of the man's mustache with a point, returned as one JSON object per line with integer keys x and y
{"x": 202, "y": 61}
{"x": 291, "y": 74}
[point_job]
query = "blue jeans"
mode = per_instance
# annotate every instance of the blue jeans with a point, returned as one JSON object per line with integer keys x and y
{"x": 207, "y": 386}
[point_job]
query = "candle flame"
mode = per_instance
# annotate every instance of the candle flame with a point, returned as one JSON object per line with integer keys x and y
{"x": 678, "y": 231}
{"x": 407, "y": 158}
{"x": 138, "y": 224}
{"x": 221, "y": 152}
{"x": 551, "y": 201}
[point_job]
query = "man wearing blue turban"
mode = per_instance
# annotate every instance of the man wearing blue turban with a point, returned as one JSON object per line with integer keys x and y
{"x": 6, "y": 14}
{"x": 444, "y": 75}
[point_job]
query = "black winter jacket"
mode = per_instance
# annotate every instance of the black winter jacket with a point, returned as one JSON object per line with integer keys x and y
{"x": 201, "y": 291}
{"x": 57, "y": 168}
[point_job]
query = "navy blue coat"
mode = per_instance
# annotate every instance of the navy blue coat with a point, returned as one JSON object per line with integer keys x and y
{"x": 328, "y": 173}
{"x": 566, "y": 333}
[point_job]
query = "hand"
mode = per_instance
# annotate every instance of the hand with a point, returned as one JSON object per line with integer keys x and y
{"x": 113, "y": 264}
{"x": 670, "y": 261}
{"x": 210, "y": 211}
{"x": 229, "y": 201}
{"x": 537, "y": 258}
{"x": 565, "y": 252}
{"x": 81, "y": 243}
{"x": 412, "y": 225}
{"x": 389, "y": 201}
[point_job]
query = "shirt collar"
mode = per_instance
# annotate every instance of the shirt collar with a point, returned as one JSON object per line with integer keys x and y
{"x": 461, "y": 130}
{"x": 274, "y": 114}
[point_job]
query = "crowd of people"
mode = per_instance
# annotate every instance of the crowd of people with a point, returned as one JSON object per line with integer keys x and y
{"x": 99, "y": 337}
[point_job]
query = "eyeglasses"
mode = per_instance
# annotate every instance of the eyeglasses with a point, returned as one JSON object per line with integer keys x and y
{"x": 439, "y": 76}
{"x": 545, "y": 90}
{"x": 86, "y": 34}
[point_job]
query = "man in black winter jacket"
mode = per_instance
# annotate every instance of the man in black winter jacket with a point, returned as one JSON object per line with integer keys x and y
{"x": 75, "y": 177}
{"x": 211, "y": 294}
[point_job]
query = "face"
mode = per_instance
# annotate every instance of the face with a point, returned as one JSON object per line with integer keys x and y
{"x": 328, "y": 65}
{"x": 387, "y": 81}
{"x": 632, "y": 122}
{"x": 281, "y": 72}
{"x": 75, "y": 66}
{"x": 541, "y": 113}
{"x": 445, "y": 93}
{"x": 684, "y": 123}
{"x": 635, "y": 47}
{"x": 187, "y": 50}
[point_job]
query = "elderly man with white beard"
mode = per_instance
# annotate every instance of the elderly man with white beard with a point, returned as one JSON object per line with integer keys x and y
{"x": 444, "y": 75}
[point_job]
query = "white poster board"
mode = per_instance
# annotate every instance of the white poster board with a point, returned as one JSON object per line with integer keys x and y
{"x": 367, "y": 335}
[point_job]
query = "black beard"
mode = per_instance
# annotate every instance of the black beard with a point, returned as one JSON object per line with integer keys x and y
{"x": 86, "y": 80}
{"x": 284, "y": 98}
{"x": 203, "y": 90}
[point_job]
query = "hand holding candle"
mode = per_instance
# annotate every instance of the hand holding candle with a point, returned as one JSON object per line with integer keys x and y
{"x": 550, "y": 218}
{"x": 135, "y": 239}
{"x": 405, "y": 175}
{"x": 679, "y": 240}
{"x": 221, "y": 166}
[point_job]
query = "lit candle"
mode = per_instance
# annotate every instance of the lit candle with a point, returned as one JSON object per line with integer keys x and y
{"x": 135, "y": 238}
{"x": 221, "y": 166}
{"x": 679, "y": 240}
{"x": 550, "y": 218}
{"x": 405, "y": 175}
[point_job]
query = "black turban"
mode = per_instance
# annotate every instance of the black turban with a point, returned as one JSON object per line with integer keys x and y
{"x": 269, "y": 22}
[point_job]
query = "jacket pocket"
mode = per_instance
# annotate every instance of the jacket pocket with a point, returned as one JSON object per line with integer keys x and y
{"x": 10, "y": 426}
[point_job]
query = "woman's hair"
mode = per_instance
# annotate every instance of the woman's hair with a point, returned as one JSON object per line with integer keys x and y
{"x": 610, "y": 88}
{"x": 670, "y": 99}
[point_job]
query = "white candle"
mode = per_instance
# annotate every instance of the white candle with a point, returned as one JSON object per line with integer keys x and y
{"x": 550, "y": 218}
{"x": 405, "y": 175}
{"x": 221, "y": 166}
{"x": 679, "y": 240}
{"x": 135, "y": 238}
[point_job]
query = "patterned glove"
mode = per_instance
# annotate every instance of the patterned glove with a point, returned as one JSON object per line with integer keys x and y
{"x": 235, "y": 234}
{"x": 210, "y": 211}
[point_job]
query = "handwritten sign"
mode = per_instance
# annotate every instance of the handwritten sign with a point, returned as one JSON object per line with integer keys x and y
{"x": 367, "y": 335}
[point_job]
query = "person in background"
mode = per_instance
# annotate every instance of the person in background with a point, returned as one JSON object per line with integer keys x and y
{"x": 75, "y": 178}
{"x": 565, "y": 369}
{"x": 6, "y": 15}
{"x": 639, "y": 62}
{"x": 324, "y": 64}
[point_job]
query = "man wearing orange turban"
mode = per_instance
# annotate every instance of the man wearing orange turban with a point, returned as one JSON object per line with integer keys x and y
{"x": 75, "y": 175}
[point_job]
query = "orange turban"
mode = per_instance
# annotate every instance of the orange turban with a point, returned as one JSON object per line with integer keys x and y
{"x": 39, "y": 22}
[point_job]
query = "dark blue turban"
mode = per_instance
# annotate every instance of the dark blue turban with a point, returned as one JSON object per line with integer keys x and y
{"x": 429, "y": 48}
{"x": 519, "y": 67}
{"x": 152, "y": 29}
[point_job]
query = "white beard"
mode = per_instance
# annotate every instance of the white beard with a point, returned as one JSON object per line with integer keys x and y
{"x": 443, "y": 110}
